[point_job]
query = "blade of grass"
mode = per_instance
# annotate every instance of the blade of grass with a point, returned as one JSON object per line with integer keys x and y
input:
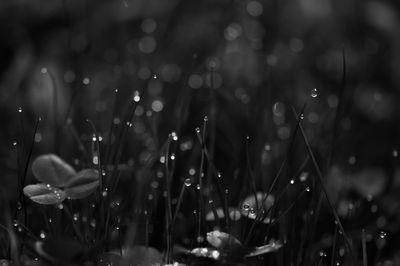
{"x": 364, "y": 247}
{"x": 321, "y": 183}
{"x": 334, "y": 246}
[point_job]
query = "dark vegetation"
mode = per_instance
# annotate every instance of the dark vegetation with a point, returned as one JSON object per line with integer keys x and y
{"x": 199, "y": 133}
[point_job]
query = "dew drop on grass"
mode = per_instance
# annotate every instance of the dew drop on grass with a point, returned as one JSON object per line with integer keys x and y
{"x": 136, "y": 96}
{"x": 95, "y": 160}
{"x": 302, "y": 116}
{"x": 93, "y": 223}
{"x": 162, "y": 159}
{"x": 75, "y": 217}
{"x": 188, "y": 182}
{"x": 14, "y": 143}
{"x": 174, "y": 136}
{"x": 308, "y": 189}
{"x": 50, "y": 220}
{"x": 314, "y": 93}
{"x": 292, "y": 181}
{"x": 382, "y": 235}
{"x": 197, "y": 130}
{"x": 105, "y": 193}
{"x": 15, "y": 224}
{"x": 172, "y": 157}
{"x": 192, "y": 171}
{"x": 198, "y": 186}
{"x": 155, "y": 76}
{"x": 42, "y": 234}
{"x": 19, "y": 109}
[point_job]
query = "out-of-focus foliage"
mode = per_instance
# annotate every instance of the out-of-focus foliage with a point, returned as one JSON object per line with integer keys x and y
{"x": 86, "y": 67}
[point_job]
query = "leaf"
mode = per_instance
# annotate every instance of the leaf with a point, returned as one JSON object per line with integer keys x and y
{"x": 223, "y": 241}
{"x": 82, "y": 184}
{"x": 141, "y": 255}
{"x": 44, "y": 194}
{"x": 51, "y": 169}
{"x": 272, "y": 247}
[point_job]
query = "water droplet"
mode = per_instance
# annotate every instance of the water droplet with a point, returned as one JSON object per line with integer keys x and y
{"x": 15, "y": 143}
{"x": 322, "y": 254}
{"x": 15, "y": 224}
{"x": 50, "y": 220}
{"x": 75, "y": 217}
{"x": 192, "y": 171}
{"x": 382, "y": 235}
{"x": 197, "y": 130}
{"x": 302, "y": 116}
{"x": 172, "y": 157}
{"x": 308, "y": 189}
{"x": 219, "y": 175}
{"x": 105, "y": 193}
{"x": 162, "y": 159}
{"x": 188, "y": 182}
{"x": 174, "y": 136}
{"x": 93, "y": 223}
{"x": 292, "y": 181}
{"x": 155, "y": 76}
{"x": 303, "y": 176}
{"x": 60, "y": 206}
{"x": 136, "y": 96}
{"x": 86, "y": 81}
{"x": 198, "y": 186}
{"x": 19, "y": 109}
{"x": 42, "y": 234}
{"x": 95, "y": 160}
{"x": 314, "y": 93}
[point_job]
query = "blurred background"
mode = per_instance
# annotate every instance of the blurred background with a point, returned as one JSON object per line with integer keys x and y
{"x": 242, "y": 63}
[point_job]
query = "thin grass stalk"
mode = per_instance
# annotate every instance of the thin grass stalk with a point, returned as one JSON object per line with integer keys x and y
{"x": 364, "y": 247}
{"x": 320, "y": 180}
{"x": 284, "y": 163}
{"x": 334, "y": 245}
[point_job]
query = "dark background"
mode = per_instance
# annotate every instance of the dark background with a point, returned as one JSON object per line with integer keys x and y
{"x": 241, "y": 63}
